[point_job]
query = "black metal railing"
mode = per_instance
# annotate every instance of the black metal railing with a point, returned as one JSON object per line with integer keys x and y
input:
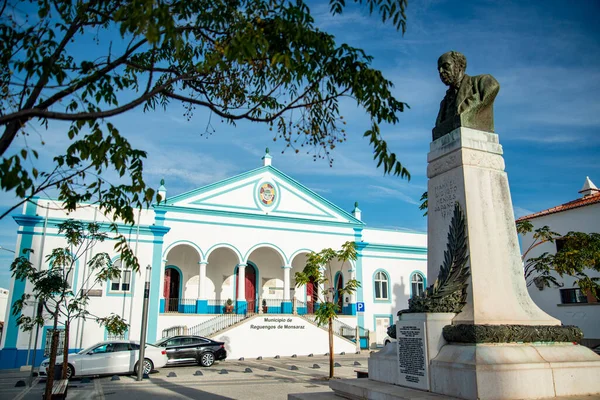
{"x": 183, "y": 306}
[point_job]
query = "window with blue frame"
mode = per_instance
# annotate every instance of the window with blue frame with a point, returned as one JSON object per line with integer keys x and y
{"x": 417, "y": 284}
{"x": 122, "y": 283}
{"x": 381, "y": 286}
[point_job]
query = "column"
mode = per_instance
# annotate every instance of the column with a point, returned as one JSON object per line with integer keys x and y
{"x": 201, "y": 301}
{"x": 286, "y": 305}
{"x": 240, "y": 300}
{"x": 161, "y": 291}
{"x": 322, "y": 293}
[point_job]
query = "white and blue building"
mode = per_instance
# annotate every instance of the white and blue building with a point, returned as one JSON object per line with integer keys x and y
{"x": 242, "y": 239}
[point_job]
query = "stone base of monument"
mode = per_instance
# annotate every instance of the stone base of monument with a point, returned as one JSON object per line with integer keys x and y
{"x": 515, "y": 371}
{"x": 407, "y": 360}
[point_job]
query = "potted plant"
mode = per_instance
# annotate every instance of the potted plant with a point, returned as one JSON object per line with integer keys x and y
{"x": 228, "y": 306}
{"x": 264, "y": 306}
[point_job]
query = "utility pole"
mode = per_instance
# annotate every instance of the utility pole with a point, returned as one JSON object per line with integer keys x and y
{"x": 140, "y": 371}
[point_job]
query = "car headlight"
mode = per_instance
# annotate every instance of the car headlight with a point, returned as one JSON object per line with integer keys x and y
{"x": 45, "y": 364}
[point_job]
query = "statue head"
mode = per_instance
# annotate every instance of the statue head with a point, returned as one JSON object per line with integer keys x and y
{"x": 452, "y": 66}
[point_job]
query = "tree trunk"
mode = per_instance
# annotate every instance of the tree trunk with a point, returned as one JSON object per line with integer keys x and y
{"x": 52, "y": 361}
{"x": 330, "y": 348}
{"x": 66, "y": 350}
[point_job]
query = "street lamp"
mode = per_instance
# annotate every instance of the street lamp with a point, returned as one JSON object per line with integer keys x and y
{"x": 140, "y": 371}
{"x": 5, "y": 249}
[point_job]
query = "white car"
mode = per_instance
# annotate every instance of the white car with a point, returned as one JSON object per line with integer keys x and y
{"x": 110, "y": 357}
{"x": 388, "y": 340}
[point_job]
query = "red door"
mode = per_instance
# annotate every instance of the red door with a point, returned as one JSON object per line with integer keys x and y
{"x": 171, "y": 290}
{"x": 250, "y": 286}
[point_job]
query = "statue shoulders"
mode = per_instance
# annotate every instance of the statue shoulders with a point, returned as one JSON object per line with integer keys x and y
{"x": 485, "y": 79}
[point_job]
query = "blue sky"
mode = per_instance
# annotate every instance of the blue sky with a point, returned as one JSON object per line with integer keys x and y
{"x": 546, "y": 56}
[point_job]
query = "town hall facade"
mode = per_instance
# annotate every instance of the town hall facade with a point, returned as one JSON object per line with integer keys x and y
{"x": 238, "y": 241}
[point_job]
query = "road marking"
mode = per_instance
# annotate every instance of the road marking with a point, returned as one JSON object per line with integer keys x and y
{"x": 24, "y": 392}
{"x": 99, "y": 392}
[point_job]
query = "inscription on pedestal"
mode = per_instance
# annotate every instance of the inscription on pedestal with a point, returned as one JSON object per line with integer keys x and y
{"x": 413, "y": 364}
{"x": 444, "y": 196}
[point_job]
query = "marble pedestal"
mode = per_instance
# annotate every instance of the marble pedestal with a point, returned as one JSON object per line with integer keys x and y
{"x": 466, "y": 166}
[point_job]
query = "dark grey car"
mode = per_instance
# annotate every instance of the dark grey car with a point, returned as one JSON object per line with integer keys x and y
{"x": 192, "y": 349}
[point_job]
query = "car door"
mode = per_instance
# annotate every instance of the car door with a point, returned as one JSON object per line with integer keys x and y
{"x": 172, "y": 346}
{"x": 188, "y": 349}
{"x": 94, "y": 361}
{"x": 119, "y": 359}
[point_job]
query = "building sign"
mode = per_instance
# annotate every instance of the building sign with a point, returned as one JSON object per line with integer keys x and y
{"x": 412, "y": 354}
{"x": 282, "y": 323}
{"x": 267, "y": 194}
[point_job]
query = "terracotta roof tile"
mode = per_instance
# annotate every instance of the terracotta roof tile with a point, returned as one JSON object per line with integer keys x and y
{"x": 585, "y": 201}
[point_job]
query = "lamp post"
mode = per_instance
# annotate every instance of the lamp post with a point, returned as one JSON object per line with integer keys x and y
{"x": 5, "y": 249}
{"x": 140, "y": 371}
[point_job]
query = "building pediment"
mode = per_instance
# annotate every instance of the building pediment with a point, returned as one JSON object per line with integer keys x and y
{"x": 265, "y": 191}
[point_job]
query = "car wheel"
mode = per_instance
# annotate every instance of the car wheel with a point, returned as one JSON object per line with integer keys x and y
{"x": 70, "y": 371}
{"x": 147, "y": 368}
{"x": 386, "y": 343}
{"x": 207, "y": 359}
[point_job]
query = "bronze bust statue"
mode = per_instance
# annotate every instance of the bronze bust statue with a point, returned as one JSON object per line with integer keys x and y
{"x": 469, "y": 100}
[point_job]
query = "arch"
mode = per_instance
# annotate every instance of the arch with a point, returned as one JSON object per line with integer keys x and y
{"x": 381, "y": 286}
{"x": 416, "y": 275}
{"x": 172, "y": 305}
{"x": 298, "y": 252}
{"x": 183, "y": 242}
{"x": 223, "y": 245}
{"x": 284, "y": 259}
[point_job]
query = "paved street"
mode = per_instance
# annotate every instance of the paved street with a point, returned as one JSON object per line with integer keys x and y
{"x": 261, "y": 383}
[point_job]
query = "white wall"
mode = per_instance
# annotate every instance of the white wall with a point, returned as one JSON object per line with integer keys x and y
{"x": 4, "y": 294}
{"x": 283, "y": 335}
{"x": 586, "y": 316}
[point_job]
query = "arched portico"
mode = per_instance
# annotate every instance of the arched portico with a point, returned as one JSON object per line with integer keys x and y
{"x": 180, "y": 278}
{"x": 273, "y": 279}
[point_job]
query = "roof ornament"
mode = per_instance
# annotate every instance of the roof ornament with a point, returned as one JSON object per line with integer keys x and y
{"x": 267, "y": 158}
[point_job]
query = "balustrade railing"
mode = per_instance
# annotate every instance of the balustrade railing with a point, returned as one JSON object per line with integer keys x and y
{"x": 216, "y": 324}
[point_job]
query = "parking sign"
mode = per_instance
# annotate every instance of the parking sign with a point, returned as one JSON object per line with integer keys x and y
{"x": 360, "y": 306}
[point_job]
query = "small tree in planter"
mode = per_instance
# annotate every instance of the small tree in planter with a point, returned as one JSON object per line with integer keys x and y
{"x": 228, "y": 306}
{"x": 52, "y": 288}
{"x": 328, "y": 308}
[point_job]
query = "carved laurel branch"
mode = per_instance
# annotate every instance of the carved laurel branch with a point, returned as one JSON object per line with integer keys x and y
{"x": 449, "y": 292}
